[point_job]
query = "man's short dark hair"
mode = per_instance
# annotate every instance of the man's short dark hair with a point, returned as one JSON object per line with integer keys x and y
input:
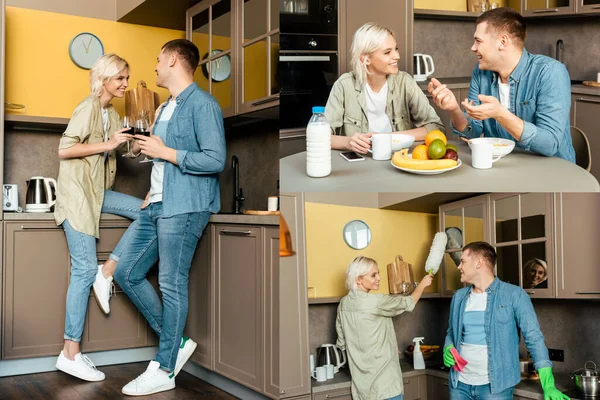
{"x": 484, "y": 250}
{"x": 505, "y": 19}
{"x": 186, "y": 50}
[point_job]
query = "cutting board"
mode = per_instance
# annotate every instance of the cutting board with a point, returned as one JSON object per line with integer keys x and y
{"x": 399, "y": 272}
{"x": 258, "y": 212}
{"x": 141, "y": 98}
{"x": 591, "y": 83}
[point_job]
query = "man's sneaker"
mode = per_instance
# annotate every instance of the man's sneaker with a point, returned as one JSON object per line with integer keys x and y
{"x": 153, "y": 380}
{"x": 103, "y": 288}
{"x": 82, "y": 367}
{"x": 186, "y": 349}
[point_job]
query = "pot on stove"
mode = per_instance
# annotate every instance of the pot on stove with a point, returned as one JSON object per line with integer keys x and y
{"x": 587, "y": 380}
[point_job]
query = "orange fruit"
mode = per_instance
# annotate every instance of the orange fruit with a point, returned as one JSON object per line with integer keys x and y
{"x": 435, "y": 134}
{"x": 420, "y": 153}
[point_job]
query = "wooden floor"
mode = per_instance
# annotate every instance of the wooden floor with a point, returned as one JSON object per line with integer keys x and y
{"x": 60, "y": 386}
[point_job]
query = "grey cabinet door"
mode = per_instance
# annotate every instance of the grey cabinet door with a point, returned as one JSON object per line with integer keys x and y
{"x": 36, "y": 277}
{"x": 586, "y": 116}
{"x": 437, "y": 388}
{"x": 293, "y": 303}
{"x": 541, "y": 8}
{"x": 578, "y": 230}
{"x": 339, "y": 394}
{"x": 238, "y": 307}
{"x": 200, "y": 325}
{"x": 271, "y": 310}
{"x": 125, "y": 327}
{"x": 415, "y": 388}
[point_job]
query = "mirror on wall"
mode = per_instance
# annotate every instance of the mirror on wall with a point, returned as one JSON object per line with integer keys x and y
{"x": 357, "y": 234}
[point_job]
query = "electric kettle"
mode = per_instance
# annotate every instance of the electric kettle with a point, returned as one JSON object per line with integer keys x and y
{"x": 40, "y": 194}
{"x": 330, "y": 354}
{"x": 421, "y": 65}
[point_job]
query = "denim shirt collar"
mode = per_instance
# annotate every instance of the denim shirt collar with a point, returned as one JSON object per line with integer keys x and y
{"x": 184, "y": 94}
{"x": 518, "y": 71}
{"x": 490, "y": 289}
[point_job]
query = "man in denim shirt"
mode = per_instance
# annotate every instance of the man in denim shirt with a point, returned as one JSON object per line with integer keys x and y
{"x": 485, "y": 319}
{"x": 513, "y": 95}
{"x": 188, "y": 150}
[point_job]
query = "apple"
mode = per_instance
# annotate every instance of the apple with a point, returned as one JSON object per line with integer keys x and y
{"x": 451, "y": 155}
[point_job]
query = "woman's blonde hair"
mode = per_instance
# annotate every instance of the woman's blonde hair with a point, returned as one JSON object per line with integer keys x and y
{"x": 367, "y": 39}
{"x": 358, "y": 267}
{"x": 105, "y": 68}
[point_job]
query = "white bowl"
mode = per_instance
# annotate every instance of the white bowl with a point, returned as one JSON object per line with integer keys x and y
{"x": 501, "y": 146}
{"x": 401, "y": 141}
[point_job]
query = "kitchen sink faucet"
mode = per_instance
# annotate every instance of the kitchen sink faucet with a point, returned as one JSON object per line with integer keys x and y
{"x": 238, "y": 197}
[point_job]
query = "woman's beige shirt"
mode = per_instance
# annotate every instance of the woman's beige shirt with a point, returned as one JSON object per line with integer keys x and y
{"x": 366, "y": 331}
{"x": 407, "y": 106}
{"x": 82, "y": 181}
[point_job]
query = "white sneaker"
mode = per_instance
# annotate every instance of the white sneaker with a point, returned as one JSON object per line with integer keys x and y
{"x": 82, "y": 367}
{"x": 103, "y": 288}
{"x": 186, "y": 349}
{"x": 153, "y": 380}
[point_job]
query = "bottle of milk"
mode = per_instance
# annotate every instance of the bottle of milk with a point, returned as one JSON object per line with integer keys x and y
{"x": 318, "y": 144}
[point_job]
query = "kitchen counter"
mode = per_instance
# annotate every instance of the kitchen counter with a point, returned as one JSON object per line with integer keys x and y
{"x": 215, "y": 218}
{"x": 527, "y": 388}
{"x": 452, "y": 83}
{"x": 583, "y": 89}
{"x": 520, "y": 171}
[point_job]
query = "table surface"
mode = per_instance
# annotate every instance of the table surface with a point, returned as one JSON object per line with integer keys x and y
{"x": 520, "y": 171}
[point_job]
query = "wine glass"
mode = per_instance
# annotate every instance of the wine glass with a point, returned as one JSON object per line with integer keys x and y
{"x": 127, "y": 123}
{"x": 143, "y": 128}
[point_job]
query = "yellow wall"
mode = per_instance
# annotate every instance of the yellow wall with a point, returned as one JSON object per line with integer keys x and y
{"x": 392, "y": 233}
{"x": 40, "y": 74}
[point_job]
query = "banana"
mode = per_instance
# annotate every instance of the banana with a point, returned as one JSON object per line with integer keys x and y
{"x": 401, "y": 159}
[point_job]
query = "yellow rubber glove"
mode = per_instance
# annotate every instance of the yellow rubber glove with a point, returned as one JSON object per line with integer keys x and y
{"x": 449, "y": 360}
{"x": 547, "y": 381}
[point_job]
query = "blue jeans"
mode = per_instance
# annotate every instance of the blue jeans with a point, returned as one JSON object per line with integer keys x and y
{"x": 84, "y": 262}
{"x": 476, "y": 392}
{"x": 172, "y": 242}
{"x": 399, "y": 397}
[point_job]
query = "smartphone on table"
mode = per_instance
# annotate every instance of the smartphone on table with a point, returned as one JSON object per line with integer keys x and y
{"x": 351, "y": 156}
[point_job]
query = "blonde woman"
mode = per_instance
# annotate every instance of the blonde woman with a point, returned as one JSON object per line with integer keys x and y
{"x": 375, "y": 97}
{"x": 366, "y": 331}
{"x": 86, "y": 175}
{"x": 535, "y": 274}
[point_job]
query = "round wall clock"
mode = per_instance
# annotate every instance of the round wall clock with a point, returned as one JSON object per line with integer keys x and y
{"x": 220, "y": 68}
{"x": 85, "y": 49}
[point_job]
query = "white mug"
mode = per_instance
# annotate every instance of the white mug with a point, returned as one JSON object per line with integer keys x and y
{"x": 482, "y": 155}
{"x": 329, "y": 369}
{"x": 320, "y": 374}
{"x": 381, "y": 146}
{"x": 272, "y": 203}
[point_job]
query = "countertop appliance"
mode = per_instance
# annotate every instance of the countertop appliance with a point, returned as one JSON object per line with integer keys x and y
{"x": 10, "y": 197}
{"x": 40, "y": 196}
{"x": 422, "y": 66}
{"x": 330, "y": 354}
{"x": 308, "y": 58}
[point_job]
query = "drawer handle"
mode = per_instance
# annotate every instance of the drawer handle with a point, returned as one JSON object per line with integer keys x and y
{"x": 265, "y": 101}
{"x": 333, "y": 396}
{"x": 445, "y": 383}
{"x": 39, "y": 228}
{"x": 583, "y": 99}
{"x": 235, "y": 233}
{"x": 530, "y": 291}
{"x": 588, "y": 292}
{"x": 545, "y": 11}
{"x": 407, "y": 382}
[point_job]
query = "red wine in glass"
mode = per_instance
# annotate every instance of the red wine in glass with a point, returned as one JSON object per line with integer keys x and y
{"x": 127, "y": 124}
{"x": 143, "y": 128}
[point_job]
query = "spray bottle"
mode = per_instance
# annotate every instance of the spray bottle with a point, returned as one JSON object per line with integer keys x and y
{"x": 418, "y": 361}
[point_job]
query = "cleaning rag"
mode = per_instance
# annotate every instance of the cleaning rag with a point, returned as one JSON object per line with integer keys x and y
{"x": 460, "y": 362}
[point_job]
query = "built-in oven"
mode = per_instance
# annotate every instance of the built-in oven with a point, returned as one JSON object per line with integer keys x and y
{"x": 304, "y": 16}
{"x": 307, "y": 74}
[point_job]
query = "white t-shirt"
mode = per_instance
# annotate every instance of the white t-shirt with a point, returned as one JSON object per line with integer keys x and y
{"x": 474, "y": 346}
{"x": 504, "y": 91}
{"x": 379, "y": 122}
{"x": 105, "y": 126}
{"x": 158, "y": 167}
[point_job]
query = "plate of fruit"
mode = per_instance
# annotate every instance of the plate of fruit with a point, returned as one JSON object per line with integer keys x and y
{"x": 432, "y": 158}
{"x": 428, "y": 351}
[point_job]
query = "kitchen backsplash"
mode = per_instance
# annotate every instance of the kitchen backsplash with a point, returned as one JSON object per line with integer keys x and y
{"x": 28, "y": 153}
{"x": 569, "y": 325}
{"x": 449, "y": 43}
